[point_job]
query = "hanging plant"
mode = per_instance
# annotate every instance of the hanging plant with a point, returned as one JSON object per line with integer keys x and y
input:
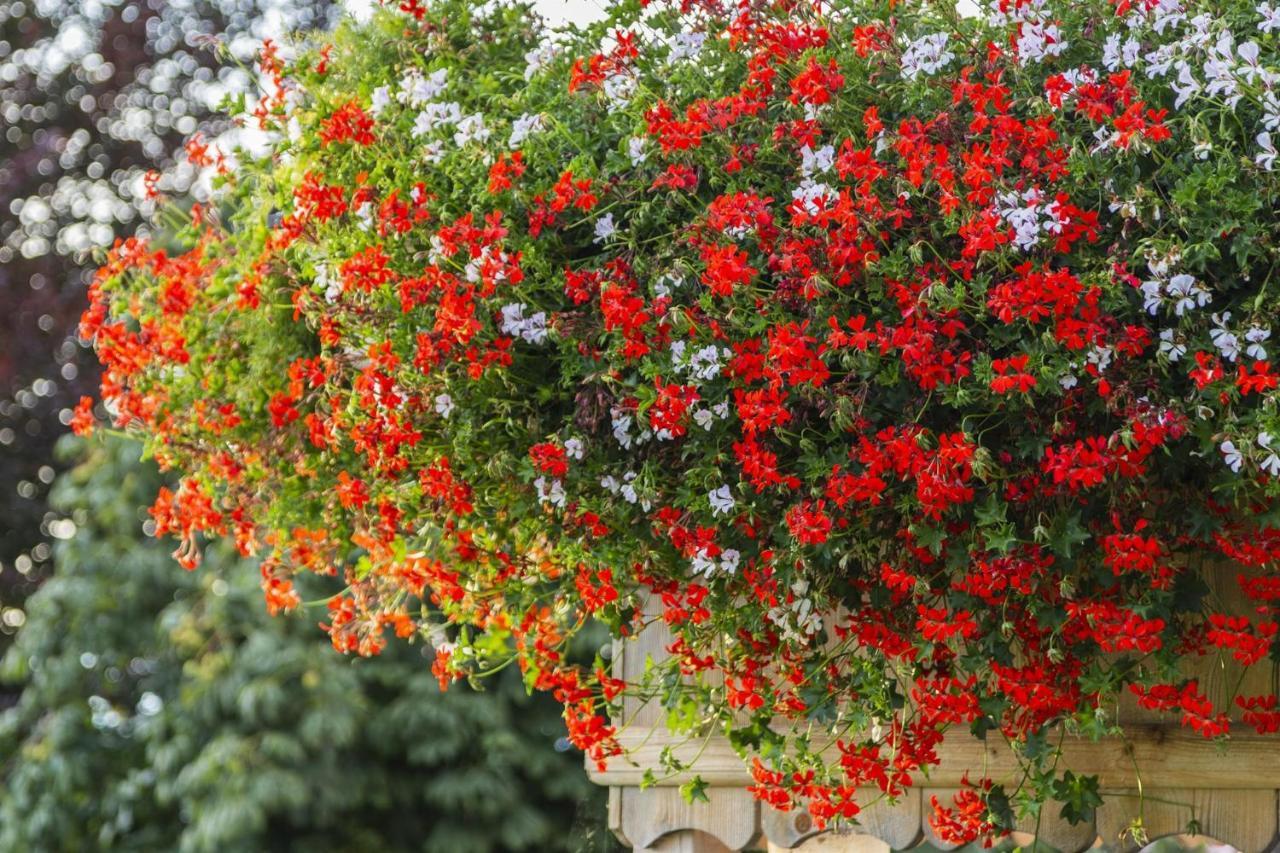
{"x": 916, "y": 365}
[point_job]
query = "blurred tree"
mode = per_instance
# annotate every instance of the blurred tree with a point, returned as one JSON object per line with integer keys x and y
{"x": 93, "y": 93}
{"x": 163, "y": 710}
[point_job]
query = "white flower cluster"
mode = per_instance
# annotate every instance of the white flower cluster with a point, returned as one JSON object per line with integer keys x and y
{"x": 522, "y": 128}
{"x": 1228, "y": 342}
{"x": 721, "y": 500}
{"x": 703, "y": 364}
{"x": 1038, "y": 36}
{"x": 687, "y": 46}
{"x": 622, "y": 422}
{"x": 538, "y": 58}
{"x": 706, "y": 417}
{"x": 618, "y": 90}
{"x": 626, "y": 488}
{"x": 1037, "y": 40}
{"x": 532, "y": 329}
{"x": 1117, "y": 55}
{"x": 1235, "y": 457}
{"x": 474, "y": 270}
{"x": 926, "y": 55}
{"x": 416, "y": 89}
{"x": 664, "y": 284}
{"x": 379, "y": 100}
{"x": 471, "y": 129}
{"x": 605, "y": 228}
{"x": 1201, "y": 58}
{"x": 797, "y": 619}
{"x": 436, "y": 115}
{"x": 550, "y": 491}
{"x": 1029, "y": 216}
{"x": 704, "y": 564}
{"x": 1181, "y": 291}
{"x": 636, "y": 146}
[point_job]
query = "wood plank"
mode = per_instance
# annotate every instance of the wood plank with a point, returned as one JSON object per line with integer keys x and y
{"x": 837, "y": 843}
{"x": 1221, "y": 678}
{"x": 657, "y": 818}
{"x": 1247, "y": 820}
{"x": 897, "y": 825}
{"x": 1175, "y": 756}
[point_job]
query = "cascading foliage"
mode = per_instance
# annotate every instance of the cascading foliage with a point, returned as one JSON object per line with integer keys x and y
{"x": 914, "y": 367}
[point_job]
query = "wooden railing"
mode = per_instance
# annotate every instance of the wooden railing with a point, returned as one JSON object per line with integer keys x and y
{"x": 1230, "y": 793}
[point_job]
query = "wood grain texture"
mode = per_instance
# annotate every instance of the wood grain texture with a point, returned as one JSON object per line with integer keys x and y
{"x": 1245, "y": 819}
{"x": 897, "y": 825}
{"x": 1176, "y": 757}
{"x": 837, "y": 843}
{"x": 649, "y": 817}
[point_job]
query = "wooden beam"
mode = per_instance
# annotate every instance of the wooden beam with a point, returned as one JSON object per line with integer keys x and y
{"x": 1167, "y": 756}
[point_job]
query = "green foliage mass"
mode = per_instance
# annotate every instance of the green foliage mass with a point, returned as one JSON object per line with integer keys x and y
{"x": 163, "y": 710}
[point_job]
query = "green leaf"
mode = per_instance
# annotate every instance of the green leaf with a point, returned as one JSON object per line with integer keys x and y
{"x": 1079, "y": 797}
{"x": 695, "y": 790}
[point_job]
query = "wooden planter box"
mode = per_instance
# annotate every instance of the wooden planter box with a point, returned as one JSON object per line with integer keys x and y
{"x": 1233, "y": 793}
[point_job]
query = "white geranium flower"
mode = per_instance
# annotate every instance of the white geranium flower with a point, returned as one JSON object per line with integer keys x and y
{"x": 444, "y": 405}
{"x": 1223, "y": 338}
{"x": 629, "y": 493}
{"x": 636, "y": 146}
{"x": 605, "y": 228}
{"x": 1271, "y": 110}
{"x": 1267, "y": 157}
{"x": 1234, "y": 458}
{"x": 365, "y": 214}
{"x": 1159, "y": 61}
{"x": 1272, "y": 463}
{"x": 721, "y": 499}
{"x": 1249, "y": 69}
{"x": 687, "y": 46}
{"x": 816, "y": 162}
{"x": 1175, "y": 350}
{"x": 622, "y": 430}
{"x": 1187, "y": 86}
{"x": 522, "y": 128}
{"x": 618, "y": 89}
{"x": 332, "y": 286}
{"x": 380, "y": 100}
{"x": 1256, "y": 336}
{"x": 550, "y": 493}
{"x": 809, "y": 193}
{"x": 1151, "y": 295}
{"x": 702, "y": 564}
{"x": 1038, "y": 40}
{"x": 1111, "y": 52}
{"x": 1187, "y": 293}
{"x": 433, "y": 151}
{"x": 574, "y": 448}
{"x": 537, "y": 59}
{"x": 926, "y": 55}
{"x": 471, "y": 129}
{"x": 1270, "y": 17}
{"x": 1129, "y": 54}
{"x": 532, "y": 329}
